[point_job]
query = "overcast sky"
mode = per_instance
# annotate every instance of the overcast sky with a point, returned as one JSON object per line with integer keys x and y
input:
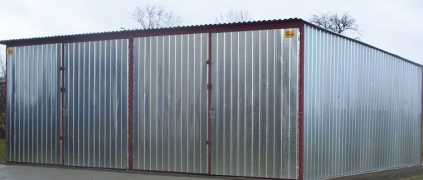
{"x": 392, "y": 25}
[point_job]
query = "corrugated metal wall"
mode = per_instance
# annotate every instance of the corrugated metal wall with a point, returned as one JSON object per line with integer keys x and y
{"x": 33, "y": 104}
{"x": 255, "y": 102}
{"x": 170, "y": 105}
{"x": 362, "y": 108}
{"x": 96, "y": 99}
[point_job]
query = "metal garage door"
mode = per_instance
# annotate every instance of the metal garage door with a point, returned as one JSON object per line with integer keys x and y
{"x": 96, "y": 104}
{"x": 255, "y": 103}
{"x": 33, "y": 104}
{"x": 170, "y": 105}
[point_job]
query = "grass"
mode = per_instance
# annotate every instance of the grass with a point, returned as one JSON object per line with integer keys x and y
{"x": 2, "y": 150}
{"x": 417, "y": 178}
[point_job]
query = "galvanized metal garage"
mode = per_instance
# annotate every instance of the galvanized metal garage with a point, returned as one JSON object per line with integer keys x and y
{"x": 276, "y": 99}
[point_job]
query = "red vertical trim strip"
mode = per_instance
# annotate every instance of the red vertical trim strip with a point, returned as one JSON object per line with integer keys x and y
{"x": 421, "y": 126}
{"x": 131, "y": 103}
{"x": 209, "y": 144}
{"x": 62, "y": 137}
{"x": 5, "y": 121}
{"x": 301, "y": 107}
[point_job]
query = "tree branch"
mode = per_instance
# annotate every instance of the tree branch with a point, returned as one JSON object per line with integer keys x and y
{"x": 335, "y": 23}
{"x": 154, "y": 17}
{"x": 232, "y": 16}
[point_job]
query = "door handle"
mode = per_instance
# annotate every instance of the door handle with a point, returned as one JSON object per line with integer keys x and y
{"x": 65, "y": 112}
{"x": 211, "y": 113}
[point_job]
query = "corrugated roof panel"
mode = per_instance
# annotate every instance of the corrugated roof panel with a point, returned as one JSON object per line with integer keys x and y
{"x": 141, "y": 30}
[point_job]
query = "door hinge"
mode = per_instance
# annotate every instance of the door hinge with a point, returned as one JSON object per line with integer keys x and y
{"x": 208, "y": 142}
{"x": 62, "y": 89}
{"x": 62, "y": 68}
{"x": 62, "y": 137}
{"x": 208, "y": 62}
{"x": 209, "y": 87}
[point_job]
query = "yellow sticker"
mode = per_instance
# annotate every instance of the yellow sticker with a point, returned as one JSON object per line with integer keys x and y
{"x": 289, "y": 34}
{"x": 10, "y": 52}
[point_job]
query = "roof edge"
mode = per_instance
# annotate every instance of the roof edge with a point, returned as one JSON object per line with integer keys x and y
{"x": 140, "y": 31}
{"x": 205, "y": 28}
{"x": 360, "y": 42}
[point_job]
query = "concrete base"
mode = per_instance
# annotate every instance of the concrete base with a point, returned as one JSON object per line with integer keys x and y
{"x": 38, "y": 172}
{"x": 394, "y": 174}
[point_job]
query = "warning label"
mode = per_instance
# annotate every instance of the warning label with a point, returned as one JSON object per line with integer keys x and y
{"x": 289, "y": 34}
{"x": 10, "y": 52}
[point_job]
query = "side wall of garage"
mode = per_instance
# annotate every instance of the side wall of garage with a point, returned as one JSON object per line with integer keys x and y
{"x": 362, "y": 108}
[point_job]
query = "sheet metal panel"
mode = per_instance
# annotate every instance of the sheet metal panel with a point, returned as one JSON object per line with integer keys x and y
{"x": 170, "y": 105}
{"x": 33, "y": 104}
{"x": 362, "y": 108}
{"x": 96, "y": 99}
{"x": 255, "y": 102}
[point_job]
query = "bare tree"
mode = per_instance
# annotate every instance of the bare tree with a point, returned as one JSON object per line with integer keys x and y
{"x": 232, "y": 16}
{"x": 335, "y": 23}
{"x": 155, "y": 17}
